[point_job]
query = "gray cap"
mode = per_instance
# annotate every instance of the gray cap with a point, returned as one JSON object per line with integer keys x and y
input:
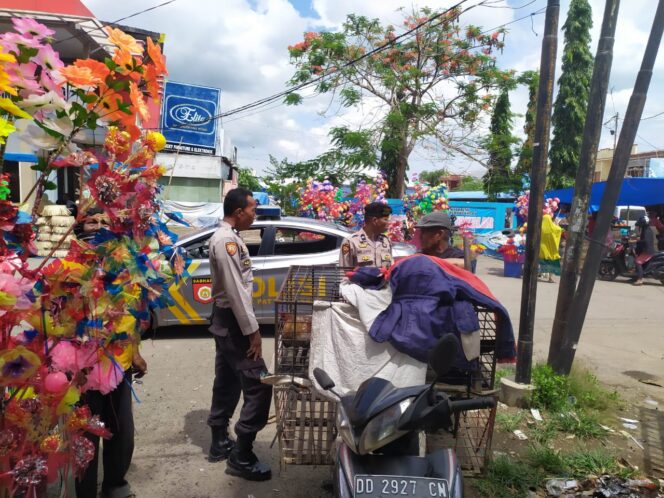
{"x": 437, "y": 219}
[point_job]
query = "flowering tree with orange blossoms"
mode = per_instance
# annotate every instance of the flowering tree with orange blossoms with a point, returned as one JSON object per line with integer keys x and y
{"x": 436, "y": 84}
{"x": 65, "y": 321}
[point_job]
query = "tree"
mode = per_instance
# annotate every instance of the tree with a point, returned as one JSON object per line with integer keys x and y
{"x": 248, "y": 180}
{"x": 435, "y": 83}
{"x": 471, "y": 184}
{"x": 433, "y": 177}
{"x": 524, "y": 165}
{"x": 569, "y": 111}
{"x": 499, "y": 177}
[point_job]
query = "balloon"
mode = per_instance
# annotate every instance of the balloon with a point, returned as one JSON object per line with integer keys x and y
{"x": 56, "y": 382}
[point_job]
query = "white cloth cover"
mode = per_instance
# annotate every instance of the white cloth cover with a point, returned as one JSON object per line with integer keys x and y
{"x": 341, "y": 346}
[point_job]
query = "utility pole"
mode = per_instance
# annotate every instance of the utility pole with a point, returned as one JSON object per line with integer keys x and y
{"x": 592, "y": 132}
{"x": 615, "y": 130}
{"x": 633, "y": 115}
{"x": 537, "y": 183}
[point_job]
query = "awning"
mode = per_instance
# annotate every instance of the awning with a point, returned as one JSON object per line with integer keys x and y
{"x": 20, "y": 157}
{"x": 634, "y": 192}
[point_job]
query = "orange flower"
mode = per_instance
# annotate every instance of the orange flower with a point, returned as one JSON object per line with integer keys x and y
{"x": 97, "y": 68}
{"x": 124, "y": 41}
{"x": 154, "y": 51}
{"x": 124, "y": 59}
{"x": 109, "y": 105}
{"x": 138, "y": 102}
{"x": 152, "y": 81}
{"x": 80, "y": 76}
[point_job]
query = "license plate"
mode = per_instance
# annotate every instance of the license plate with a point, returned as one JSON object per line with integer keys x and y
{"x": 371, "y": 486}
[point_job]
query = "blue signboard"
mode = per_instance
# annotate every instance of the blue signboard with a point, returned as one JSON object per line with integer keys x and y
{"x": 188, "y": 118}
{"x": 482, "y": 217}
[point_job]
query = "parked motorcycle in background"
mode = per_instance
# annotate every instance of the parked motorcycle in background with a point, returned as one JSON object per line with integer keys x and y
{"x": 620, "y": 262}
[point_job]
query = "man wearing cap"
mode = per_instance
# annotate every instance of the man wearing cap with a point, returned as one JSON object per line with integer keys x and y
{"x": 435, "y": 235}
{"x": 369, "y": 246}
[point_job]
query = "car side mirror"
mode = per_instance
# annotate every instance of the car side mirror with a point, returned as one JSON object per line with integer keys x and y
{"x": 442, "y": 356}
{"x": 324, "y": 380}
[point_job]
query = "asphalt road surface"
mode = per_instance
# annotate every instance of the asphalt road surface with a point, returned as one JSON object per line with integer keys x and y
{"x": 622, "y": 342}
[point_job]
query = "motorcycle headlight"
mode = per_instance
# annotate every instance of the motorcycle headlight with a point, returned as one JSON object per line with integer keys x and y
{"x": 383, "y": 428}
{"x": 345, "y": 430}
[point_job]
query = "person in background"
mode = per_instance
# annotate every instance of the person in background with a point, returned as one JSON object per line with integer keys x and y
{"x": 369, "y": 246}
{"x": 436, "y": 235}
{"x": 549, "y": 253}
{"x": 239, "y": 364}
{"x": 114, "y": 408}
{"x": 645, "y": 247}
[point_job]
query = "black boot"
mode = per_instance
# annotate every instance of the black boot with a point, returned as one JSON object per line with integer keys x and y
{"x": 221, "y": 446}
{"x": 242, "y": 462}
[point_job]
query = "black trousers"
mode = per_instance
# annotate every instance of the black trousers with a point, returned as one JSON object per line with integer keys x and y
{"x": 234, "y": 373}
{"x": 115, "y": 411}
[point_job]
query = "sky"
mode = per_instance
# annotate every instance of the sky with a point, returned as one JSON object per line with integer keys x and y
{"x": 240, "y": 46}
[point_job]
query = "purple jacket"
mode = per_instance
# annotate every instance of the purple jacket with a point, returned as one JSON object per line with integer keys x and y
{"x": 428, "y": 303}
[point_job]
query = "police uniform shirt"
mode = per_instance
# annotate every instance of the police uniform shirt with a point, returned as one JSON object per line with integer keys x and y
{"x": 232, "y": 278}
{"x": 360, "y": 250}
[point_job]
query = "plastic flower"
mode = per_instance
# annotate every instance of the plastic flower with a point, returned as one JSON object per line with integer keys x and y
{"x": 48, "y": 58}
{"x": 155, "y": 141}
{"x": 157, "y": 58}
{"x": 6, "y": 129}
{"x": 81, "y": 75}
{"x": 17, "y": 365}
{"x": 28, "y": 26}
{"x": 152, "y": 81}
{"x": 5, "y": 84}
{"x": 138, "y": 102}
{"x": 125, "y": 61}
{"x": 9, "y": 106}
{"x": 22, "y": 76}
{"x": 98, "y": 69}
{"x": 50, "y": 101}
{"x": 124, "y": 41}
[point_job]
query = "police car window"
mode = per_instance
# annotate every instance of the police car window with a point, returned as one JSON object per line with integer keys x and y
{"x": 252, "y": 238}
{"x": 198, "y": 249}
{"x": 297, "y": 241}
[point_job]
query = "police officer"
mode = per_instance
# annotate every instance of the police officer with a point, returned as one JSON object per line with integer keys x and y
{"x": 370, "y": 246}
{"x": 238, "y": 363}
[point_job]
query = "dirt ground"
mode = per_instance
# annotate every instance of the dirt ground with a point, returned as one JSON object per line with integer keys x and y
{"x": 621, "y": 342}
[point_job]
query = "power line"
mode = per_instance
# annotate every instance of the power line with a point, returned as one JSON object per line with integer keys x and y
{"x": 101, "y": 28}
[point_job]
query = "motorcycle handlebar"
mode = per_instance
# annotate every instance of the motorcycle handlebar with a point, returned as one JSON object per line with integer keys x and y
{"x": 465, "y": 405}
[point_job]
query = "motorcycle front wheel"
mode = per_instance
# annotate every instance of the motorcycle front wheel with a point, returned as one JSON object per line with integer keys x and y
{"x": 607, "y": 271}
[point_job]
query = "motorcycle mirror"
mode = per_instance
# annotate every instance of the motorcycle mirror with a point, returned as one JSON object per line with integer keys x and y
{"x": 442, "y": 356}
{"x": 324, "y": 380}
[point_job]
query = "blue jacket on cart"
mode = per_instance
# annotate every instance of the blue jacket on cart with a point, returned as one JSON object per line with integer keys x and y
{"x": 431, "y": 298}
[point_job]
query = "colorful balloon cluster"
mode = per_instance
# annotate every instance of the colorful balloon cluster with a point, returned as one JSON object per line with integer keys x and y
{"x": 426, "y": 199}
{"x": 323, "y": 201}
{"x": 521, "y": 205}
{"x": 364, "y": 194}
{"x": 512, "y": 251}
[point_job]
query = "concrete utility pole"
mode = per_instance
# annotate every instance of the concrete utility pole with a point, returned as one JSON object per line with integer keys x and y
{"x": 537, "y": 183}
{"x": 584, "y": 177}
{"x": 621, "y": 155}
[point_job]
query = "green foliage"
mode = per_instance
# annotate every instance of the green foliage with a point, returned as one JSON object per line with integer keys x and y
{"x": 247, "y": 180}
{"x": 407, "y": 78}
{"x": 508, "y": 478}
{"x": 499, "y": 177}
{"x": 581, "y": 423}
{"x": 551, "y": 390}
{"x": 591, "y": 462}
{"x": 569, "y": 111}
{"x": 585, "y": 387}
{"x": 471, "y": 184}
{"x": 550, "y": 461}
{"x": 525, "y": 163}
{"x": 433, "y": 177}
{"x": 509, "y": 422}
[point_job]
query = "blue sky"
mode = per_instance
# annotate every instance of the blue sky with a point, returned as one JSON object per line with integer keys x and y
{"x": 240, "y": 47}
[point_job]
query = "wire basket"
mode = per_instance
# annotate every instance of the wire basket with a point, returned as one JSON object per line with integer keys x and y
{"x": 471, "y": 439}
{"x": 305, "y": 426}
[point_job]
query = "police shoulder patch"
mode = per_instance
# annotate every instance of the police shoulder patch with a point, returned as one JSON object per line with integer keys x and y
{"x": 345, "y": 248}
{"x": 231, "y": 248}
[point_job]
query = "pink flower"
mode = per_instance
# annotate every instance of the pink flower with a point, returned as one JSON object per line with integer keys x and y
{"x": 104, "y": 377}
{"x": 70, "y": 357}
{"x": 14, "y": 39}
{"x": 48, "y": 58}
{"x": 22, "y": 76}
{"x": 28, "y": 26}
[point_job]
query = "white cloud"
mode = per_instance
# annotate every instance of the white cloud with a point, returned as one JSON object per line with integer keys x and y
{"x": 240, "y": 47}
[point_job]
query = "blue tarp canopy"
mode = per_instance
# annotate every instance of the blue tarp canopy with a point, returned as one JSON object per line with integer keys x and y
{"x": 634, "y": 192}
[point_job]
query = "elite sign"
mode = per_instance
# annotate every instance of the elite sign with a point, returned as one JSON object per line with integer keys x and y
{"x": 188, "y": 118}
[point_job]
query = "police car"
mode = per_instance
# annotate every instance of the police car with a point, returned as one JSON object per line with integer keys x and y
{"x": 274, "y": 243}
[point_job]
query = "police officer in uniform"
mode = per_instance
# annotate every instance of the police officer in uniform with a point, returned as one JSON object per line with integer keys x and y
{"x": 370, "y": 246}
{"x": 238, "y": 363}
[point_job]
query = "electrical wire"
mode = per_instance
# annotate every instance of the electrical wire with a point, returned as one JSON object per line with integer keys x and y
{"x": 101, "y": 28}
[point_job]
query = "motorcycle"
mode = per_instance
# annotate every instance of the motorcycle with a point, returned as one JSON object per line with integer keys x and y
{"x": 380, "y": 426}
{"x": 621, "y": 260}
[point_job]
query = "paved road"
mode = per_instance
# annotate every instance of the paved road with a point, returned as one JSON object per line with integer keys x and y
{"x": 622, "y": 341}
